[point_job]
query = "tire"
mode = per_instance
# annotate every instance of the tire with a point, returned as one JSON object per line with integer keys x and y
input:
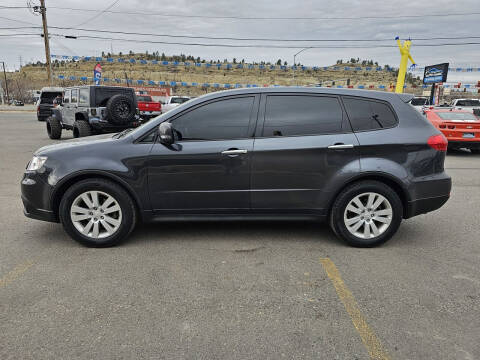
{"x": 120, "y": 109}
{"x": 54, "y": 128}
{"x": 475, "y": 151}
{"x": 41, "y": 119}
{"x": 361, "y": 237}
{"x": 81, "y": 128}
{"x": 73, "y": 209}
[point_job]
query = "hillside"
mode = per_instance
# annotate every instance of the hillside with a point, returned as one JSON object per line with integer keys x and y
{"x": 35, "y": 74}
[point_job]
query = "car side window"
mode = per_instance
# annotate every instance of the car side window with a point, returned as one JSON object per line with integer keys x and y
{"x": 290, "y": 115}
{"x": 369, "y": 114}
{"x": 83, "y": 97}
{"x": 74, "y": 96}
{"x": 66, "y": 97}
{"x": 223, "y": 119}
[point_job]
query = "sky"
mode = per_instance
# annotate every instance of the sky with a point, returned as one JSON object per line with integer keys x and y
{"x": 378, "y": 25}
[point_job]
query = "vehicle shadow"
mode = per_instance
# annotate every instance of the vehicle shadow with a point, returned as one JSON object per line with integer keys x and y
{"x": 241, "y": 232}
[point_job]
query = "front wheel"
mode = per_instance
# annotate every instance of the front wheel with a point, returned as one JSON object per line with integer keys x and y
{"x": 97, "y": 213}
{"x": 366, "y": 214}
{"x": 54, "y": 128}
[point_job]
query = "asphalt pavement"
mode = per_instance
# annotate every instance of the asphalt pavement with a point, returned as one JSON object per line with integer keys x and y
{"x": 237, "y": 290}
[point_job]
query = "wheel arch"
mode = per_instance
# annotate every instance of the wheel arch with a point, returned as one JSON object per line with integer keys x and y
{"x": 81, "y": 116}
{"x": 384, "y": 178}
{"x": 63, "y": 186}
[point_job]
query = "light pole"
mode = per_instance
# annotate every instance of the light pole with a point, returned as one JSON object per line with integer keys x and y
{"x": 294, "y": 56}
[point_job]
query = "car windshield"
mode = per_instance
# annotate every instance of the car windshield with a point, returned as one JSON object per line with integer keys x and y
{"x": 471, "y": 102}
{"x": 144, "y": 98}
{"x": 419, "y": 101}
{"x": 450, "y": 115}
{"x": 179, "y": 100}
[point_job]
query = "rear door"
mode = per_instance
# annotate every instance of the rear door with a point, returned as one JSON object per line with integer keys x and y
{"x": 66, "y": 107}
{"x": 303, "y": 146}
{"x": 207, "y": 169}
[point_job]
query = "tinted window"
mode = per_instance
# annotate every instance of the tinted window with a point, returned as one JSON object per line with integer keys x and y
{"x": 179, "y": 100}
{"x": 419, "y": 101}
{"x": 471, "y": 102}
{"x": 144, "y": 98}
{"x": 66, "y": 97}
{"x": 74, "y": 96}
{"x": 84, "y": 96}
{"x": 224, "y": 119}
{"x": 369, "y": 115}
{"x": 287, "y": 115}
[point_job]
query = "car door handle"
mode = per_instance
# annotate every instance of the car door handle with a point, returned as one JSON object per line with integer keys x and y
{"x": 234, "y": 152}
{"x": 341, "y": 146}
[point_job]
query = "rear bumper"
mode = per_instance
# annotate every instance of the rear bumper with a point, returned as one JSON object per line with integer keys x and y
{"x": 430, "y": 193}
{"x": 423, "y": 206}
{"x": 468, "y": 144}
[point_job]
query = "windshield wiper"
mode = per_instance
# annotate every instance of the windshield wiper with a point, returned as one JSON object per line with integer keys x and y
{"x": 122, "y": 133}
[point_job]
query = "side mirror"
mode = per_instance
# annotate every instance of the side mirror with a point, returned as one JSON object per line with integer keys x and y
{"x": 165, "y": 132}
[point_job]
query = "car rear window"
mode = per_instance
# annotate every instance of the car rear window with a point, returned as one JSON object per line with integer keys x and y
{"x": 472, "y": 102}
{"x": 144, "y": 98}
{"x": 290, "y": 115}
{"x": 450, "y": 115}
{"x": 48, "y": 97}
{"x": 419, "y": 101}
{"x": 367, "y": 115}
{"x": 179, "y": 100}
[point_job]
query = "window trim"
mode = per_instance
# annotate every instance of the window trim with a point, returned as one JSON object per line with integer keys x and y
{"x": 69, "y": 91}
{"x": 78, "y": 92}
{"x": 251, "y": 122}
{"x": 88, "y": 96}
{"x": 397, "y": 122}
{"x": 263, "y": 106}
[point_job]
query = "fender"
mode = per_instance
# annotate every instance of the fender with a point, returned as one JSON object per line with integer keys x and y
{"x": 82, "y": 174}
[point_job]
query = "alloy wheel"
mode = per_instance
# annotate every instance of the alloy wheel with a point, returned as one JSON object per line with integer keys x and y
{"x": 96, "y": 214}
{"x": 368, "y": 215}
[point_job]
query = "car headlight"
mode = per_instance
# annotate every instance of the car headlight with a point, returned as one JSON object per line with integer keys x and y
{"x": 36, "y": 163}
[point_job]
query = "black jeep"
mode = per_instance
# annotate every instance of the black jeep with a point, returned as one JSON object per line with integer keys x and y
{"x": 94, "y": 109}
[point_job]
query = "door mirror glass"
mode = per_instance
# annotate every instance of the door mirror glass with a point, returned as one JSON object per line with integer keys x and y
{"x": 165, "y": 132}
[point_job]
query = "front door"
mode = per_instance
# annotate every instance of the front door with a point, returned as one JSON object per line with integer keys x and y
{"x": 304, "y": 146}
{"x": 207, "y": 169}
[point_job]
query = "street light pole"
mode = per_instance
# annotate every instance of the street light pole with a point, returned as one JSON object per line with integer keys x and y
{"x": 294, "y": 56}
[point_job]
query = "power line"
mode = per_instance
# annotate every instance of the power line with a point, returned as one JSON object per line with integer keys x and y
{"x": 150, "y": 13}
{"x": 245, "y": 17}
{"x": 17, "y": 20}
{"x": 100, "y": 13}
{"x": 255, "y": 39}
{"x": 81, "y": 37}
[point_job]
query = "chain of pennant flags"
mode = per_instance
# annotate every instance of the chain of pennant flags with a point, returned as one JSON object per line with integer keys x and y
{"x": 243, "y": 65}
{"x": 107, "y": 80}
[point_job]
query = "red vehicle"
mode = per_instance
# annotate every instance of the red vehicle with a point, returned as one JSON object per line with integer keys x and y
{"x": 460, "y": 127}
{"x": 147, "y": 107}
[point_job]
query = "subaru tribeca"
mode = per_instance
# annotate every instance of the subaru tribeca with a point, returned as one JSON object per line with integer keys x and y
{"x": 362, "y": 160}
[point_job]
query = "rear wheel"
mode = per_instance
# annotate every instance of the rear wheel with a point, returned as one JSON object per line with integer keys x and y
{"x": 81, "y": 128}
{"x": 54, "y": 128}
{"x": 366, "y": 214}
{"x": 97, "y": 213}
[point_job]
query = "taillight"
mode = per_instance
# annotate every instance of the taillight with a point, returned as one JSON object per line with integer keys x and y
{"x": 438, "y": 142}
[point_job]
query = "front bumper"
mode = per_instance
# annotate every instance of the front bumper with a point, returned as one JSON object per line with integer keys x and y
{"x": 36, "y": 198}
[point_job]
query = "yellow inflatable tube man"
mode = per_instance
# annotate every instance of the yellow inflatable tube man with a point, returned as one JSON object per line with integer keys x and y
{"x": 402, "y": 70}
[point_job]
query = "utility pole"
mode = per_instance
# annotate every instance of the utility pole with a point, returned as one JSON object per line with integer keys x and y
{"x": 43, "y": 9}
{"x": 6, "y": 84}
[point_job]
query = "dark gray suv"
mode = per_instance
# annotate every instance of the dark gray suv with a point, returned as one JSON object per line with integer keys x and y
{"x": 362, "y": 160}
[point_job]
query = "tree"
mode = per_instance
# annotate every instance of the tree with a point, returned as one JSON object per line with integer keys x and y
{"x": 163, "y": 57}
{"x": 234, "y": 60}
{"x": 285, "y": 63}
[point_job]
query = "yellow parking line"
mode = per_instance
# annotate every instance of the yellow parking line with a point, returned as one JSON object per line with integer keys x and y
{"x": 16, "y": 272}
{"x": 369, "y": 339}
